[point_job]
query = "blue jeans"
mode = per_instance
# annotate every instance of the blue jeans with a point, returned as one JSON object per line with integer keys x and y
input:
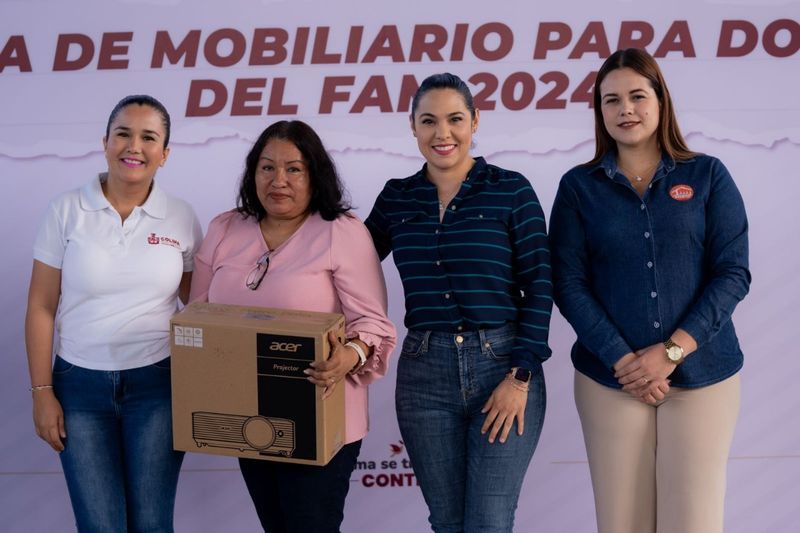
{"x": 121, "y": 470}
{"x": 469, "y": 484}
{"x": 292, "y": 498}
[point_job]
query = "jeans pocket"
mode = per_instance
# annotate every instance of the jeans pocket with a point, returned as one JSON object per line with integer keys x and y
{"x": 498, "y": 347}
{"x": 412, "y": 344}
{"x": 61, "y": 366}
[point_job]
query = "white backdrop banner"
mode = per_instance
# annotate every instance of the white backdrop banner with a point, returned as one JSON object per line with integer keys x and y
{"x": 350, "y": 68}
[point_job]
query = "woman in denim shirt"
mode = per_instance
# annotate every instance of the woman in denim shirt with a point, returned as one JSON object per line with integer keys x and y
{"x": 649, "y": 244}
{"x": 469, "y": 242}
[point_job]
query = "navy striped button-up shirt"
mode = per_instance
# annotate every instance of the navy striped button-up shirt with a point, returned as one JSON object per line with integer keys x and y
{"x": 487, "y": 263}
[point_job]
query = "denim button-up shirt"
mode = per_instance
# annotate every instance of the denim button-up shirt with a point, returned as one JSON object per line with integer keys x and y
{"x": 630, "y": 270}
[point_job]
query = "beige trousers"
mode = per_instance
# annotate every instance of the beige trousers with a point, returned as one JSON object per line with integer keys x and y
{"x": 658, "y": 469}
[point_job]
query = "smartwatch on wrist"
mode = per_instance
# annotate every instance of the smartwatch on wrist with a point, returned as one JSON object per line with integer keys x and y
{"x": 523, "y": 375}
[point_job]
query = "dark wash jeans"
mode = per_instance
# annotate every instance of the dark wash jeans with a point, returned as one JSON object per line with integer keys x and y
{"x": 443, "y": 381}
{"x": 121, "y": 470}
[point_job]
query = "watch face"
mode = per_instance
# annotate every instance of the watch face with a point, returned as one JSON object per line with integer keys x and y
{"x": 522, "y": 374}
{"x": 674, "y": 354}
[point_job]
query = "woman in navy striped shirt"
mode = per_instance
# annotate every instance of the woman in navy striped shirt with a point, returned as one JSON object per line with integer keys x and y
{"x": 469, "y": 242}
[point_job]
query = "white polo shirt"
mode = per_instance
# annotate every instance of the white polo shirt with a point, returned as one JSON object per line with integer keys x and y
{"x": 119, "y": 281}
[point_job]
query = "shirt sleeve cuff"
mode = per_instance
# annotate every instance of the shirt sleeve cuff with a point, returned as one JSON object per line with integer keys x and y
{"x": 526, "y": 359}
{"x": 48, "y": 259}
{"x": 613, "y": 353}
{"x": 695, "y": 326}
{"x": 378, "y": 362}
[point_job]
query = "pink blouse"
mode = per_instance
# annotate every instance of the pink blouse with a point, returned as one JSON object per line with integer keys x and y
{"x": 326, "y": 266}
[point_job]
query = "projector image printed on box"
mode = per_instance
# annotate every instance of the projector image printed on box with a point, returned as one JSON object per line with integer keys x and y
{"x": 254, "y": 433}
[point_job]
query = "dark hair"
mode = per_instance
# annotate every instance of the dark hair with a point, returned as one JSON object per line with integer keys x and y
{"x": 327, "y": 191}
{"x": 141, "y": 99}
{"x": 443, "y": 81}
{"x": 668, "y": 133}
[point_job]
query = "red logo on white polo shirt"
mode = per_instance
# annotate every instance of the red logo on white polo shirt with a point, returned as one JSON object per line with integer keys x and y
{"x": 169, "y": 241}
{"x": 682, "y": 193}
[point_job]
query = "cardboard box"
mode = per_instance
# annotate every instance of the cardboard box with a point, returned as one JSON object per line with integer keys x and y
{"x": 238, "y": 386}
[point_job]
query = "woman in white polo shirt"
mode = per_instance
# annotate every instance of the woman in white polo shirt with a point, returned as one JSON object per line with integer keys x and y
{"x": 110, "y": 261}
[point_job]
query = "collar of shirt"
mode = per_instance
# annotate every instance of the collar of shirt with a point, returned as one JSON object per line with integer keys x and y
{"x": 93, "y": 199}
{"x": 477, "y": 174}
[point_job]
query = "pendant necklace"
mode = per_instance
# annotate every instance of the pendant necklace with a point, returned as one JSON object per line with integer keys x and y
{"x": 443, "y": 204}
{"x": 636, "y": 177}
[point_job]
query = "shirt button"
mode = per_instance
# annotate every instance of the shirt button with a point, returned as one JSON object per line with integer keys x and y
{"x": 452, "y": 208}
{"x": 480, "y": 216}
{"x": 436, "y": 232}
{"x": 653, "y": 294}
{"x": 438, "y": 263}
{"x": 459, "y": 328}
{"x": 641, "y": 207}
{"x": 649, "y": 264}
{"x": 447, "y": 296}
{"x": 656, "y": 325}
{"x": 646, "y": 234}
{"x": 459, "y": 339}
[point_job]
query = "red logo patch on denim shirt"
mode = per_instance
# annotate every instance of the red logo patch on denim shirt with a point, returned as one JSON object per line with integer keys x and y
{"x": 682, "y": 193}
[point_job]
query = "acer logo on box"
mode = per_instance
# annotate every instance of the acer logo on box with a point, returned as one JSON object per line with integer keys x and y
{"x": 284, "y": 346}
{"x": 288, "y": 346}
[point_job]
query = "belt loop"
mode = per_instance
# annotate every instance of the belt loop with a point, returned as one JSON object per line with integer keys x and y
{"x": 482, "y": 340}
{"x": 425, "y": 338}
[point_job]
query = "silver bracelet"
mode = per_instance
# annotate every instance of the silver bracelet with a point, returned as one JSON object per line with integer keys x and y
{"x": 36, "y": 388}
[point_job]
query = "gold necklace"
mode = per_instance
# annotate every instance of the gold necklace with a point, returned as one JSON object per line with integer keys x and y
{"x": 632, "y": 176}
